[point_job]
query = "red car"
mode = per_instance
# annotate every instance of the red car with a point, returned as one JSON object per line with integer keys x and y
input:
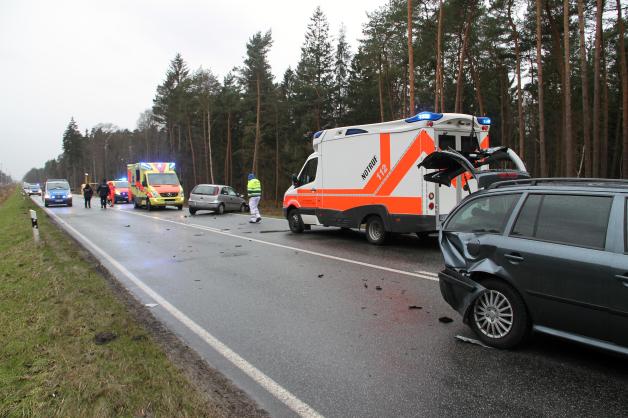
{"x": 118, "y": 191}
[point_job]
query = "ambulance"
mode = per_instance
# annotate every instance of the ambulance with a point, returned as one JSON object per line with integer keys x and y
{"x": 154, "y": 185}
{"x": 402, "y": 176}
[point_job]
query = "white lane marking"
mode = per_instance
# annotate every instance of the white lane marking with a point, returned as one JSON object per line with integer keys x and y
{"x": 259, "y": 241}
{"x": 429, "y": 273}
{"x": 291, "y": 401}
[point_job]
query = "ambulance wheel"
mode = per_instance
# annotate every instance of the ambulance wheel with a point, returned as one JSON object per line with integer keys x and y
{"x": 375, "y": 230}
{"x": 192, "y": 211}
{"x": 295, "y": 222}
{"x": 221, "y": 209}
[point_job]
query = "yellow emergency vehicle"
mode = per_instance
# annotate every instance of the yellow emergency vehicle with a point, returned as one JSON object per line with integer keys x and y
{"x": 154, "y": 185}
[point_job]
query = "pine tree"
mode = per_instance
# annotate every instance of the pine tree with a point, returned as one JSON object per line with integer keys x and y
{"x": 341, "y": 76}
{"x": 73, "y": 149}
{"x": 314, "y": 71}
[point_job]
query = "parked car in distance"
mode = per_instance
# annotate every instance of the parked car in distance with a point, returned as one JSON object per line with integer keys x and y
{"x": 545, "y": 255}
{"x": 118, "y": 191}
{"x": 216, "y": 198}
{"x": 34, "y": 189}
{"x": 57, "y": 192}
{"x": 25, "y": 188}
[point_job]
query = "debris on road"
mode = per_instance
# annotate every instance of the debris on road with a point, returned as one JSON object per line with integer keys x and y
{"x": 104, "y": 337}
{"x": 471, "y": 341}
{"x": 445, "y": 319}
{"x": 238, "y": 246}
{"x": 366, "y": 286}
{"x": 127, "y": 226}
{"x": 378, "y": 288}
{"x": 415, "y": 307}
{"x": 321, "y": 275}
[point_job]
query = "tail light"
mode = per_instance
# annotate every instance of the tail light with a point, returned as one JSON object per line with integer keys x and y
{"x": 431, "y": 206}
{"x": 431, "y": 196}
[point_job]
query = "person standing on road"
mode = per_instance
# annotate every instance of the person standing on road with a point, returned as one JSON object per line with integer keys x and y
{"x": 88, "y": 192}
{"x": 254, "y": 189}
{"x": 103, "y": 192}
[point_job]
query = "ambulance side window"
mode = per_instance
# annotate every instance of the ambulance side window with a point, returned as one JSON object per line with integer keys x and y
{"x": 308, "y": 174}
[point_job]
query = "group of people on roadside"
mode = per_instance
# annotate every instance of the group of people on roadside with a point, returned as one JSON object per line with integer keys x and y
{"x": 253, "y": 188}
{"x": 102, "y": 190}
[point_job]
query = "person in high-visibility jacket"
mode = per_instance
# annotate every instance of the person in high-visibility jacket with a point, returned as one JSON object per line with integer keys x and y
{"x": 254, "y": 190}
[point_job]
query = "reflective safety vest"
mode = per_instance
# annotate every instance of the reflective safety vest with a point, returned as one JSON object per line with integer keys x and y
{"x": 254, "y": 188}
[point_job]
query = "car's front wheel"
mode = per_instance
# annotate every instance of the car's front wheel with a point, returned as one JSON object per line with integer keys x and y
{"x": 499, "y": 316}
{"x": 295, "y": 222}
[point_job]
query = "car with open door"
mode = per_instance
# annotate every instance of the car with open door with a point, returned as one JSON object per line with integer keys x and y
{"x": 216, "y": 198}
{"x": 544, "y": 255}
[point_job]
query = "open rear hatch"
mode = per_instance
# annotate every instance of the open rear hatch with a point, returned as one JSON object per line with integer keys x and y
{"x": 450, "y": 164}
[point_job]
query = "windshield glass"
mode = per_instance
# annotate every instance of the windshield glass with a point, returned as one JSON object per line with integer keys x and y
{"x": 121, "y": 183}
{"x": 34, "y": 187}
{"x": 158, "y": 179}
{"x": 63, "y": 185}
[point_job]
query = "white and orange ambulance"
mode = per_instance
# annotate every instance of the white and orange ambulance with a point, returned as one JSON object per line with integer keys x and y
{"x": 380, "y": 176}
{"x": 154, "y": 185}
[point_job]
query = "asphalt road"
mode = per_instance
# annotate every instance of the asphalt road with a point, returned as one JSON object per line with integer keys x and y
{"x": 306, "y": 313}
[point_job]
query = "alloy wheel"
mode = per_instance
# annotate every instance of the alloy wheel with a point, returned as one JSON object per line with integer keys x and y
{"x": 493, "y": 314}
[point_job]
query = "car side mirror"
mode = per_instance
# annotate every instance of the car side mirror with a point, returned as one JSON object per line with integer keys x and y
{"x": 295, "y": 180}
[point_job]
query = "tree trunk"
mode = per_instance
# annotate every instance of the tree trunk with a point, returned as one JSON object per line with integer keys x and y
{"x": 461, "y": 59}
{"x": 586, "y": 124}
{"x": 478, "y": 87}
{"x": 257, "y": 125}
{"x": 604, "y": 134}
{"x": 539, "y": 70}
{"x": 410, "y": 58}
{"x": 206, "y": 150}
{"x": 192, "y": 151}
{"x": 209, "y": 145}
{"x": 521, "y": 125}
{"x": 276, "y": 155}
{"x": 228, "y": 151}
{"x": 380, "y": 88}
{"x": 624, "y": 90}
{"x": 439, "y": 65}
{"x": 569, "y": 151}
{"x": 595, "y": 148}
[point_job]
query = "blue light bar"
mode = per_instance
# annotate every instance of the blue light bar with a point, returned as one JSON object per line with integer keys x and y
{"x": 423, "y": 116}
{"x": 483, "y": 120}
{"x": 317, "y": 134}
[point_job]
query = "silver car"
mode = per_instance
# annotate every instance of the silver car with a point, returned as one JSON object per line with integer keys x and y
{"x": 217, "y": 198}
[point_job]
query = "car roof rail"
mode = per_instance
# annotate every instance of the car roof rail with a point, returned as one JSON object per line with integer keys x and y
{"x": 590, "y": 182}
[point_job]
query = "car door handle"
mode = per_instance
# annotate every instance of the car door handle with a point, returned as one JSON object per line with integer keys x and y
{"x": 516, "y": 257}
{"x": 313, "y": 189}
{"x": 623, "y": 279}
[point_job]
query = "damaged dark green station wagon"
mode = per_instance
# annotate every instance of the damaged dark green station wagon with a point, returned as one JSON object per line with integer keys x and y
{"x": 544, "y": 255}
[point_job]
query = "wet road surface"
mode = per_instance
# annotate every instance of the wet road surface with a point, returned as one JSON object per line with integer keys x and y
{"x": 327, "y": 317}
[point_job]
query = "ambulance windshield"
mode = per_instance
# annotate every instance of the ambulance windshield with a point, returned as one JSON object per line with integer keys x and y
{"x": 158, "y": 179}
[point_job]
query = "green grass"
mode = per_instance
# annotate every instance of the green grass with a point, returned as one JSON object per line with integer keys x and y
{"x": 52, "y": 303}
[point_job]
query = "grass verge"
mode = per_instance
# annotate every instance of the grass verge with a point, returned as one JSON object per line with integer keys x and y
{"x": 52, "y": 306}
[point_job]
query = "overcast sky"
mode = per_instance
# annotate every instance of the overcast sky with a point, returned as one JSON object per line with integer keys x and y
{"x": 100, "y": 62}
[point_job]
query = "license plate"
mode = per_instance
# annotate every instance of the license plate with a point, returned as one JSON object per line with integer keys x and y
{"x": 58, "y": 200}
{"x": 170, "y": 200}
